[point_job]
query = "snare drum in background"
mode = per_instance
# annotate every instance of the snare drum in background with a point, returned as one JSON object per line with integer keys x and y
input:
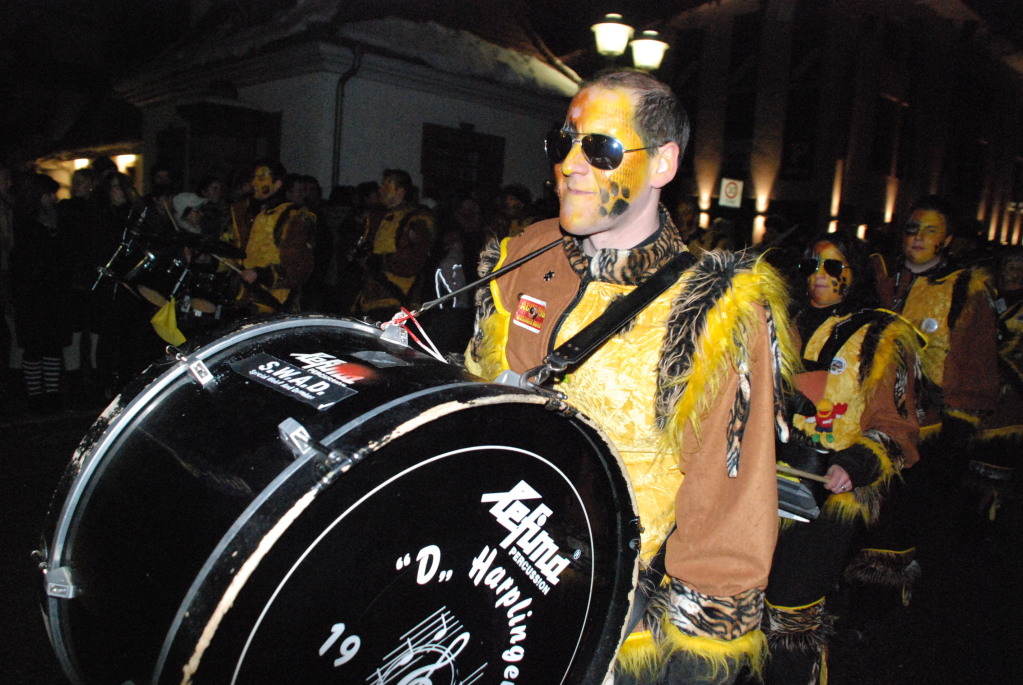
{"x": 302, "y": 500}
{"x": 158, "y": 276}
{"x": 208, "y": 291}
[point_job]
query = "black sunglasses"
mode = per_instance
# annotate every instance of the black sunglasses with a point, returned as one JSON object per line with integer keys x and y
{"x": 832, "y": 267}
{"x": 601, "y": 151}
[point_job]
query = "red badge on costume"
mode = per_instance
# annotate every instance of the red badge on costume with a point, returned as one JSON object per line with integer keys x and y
{"x": 530, "y": 313}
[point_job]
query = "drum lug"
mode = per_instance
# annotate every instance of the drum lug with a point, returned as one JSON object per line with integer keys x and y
{"x": 59, "y": 583}
{"x": 199, "y": 371}
{"x": 395, "y": 334}
{"x": 301, "y": 444}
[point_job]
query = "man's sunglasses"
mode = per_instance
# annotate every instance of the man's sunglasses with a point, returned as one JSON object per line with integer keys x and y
{"x": 600, "y": 151}
{"x": 832, "y": 267}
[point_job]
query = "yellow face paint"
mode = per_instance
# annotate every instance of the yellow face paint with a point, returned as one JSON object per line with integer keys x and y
{"x": 263, "y": 185}
{"x": 593, "y": 200}
{"x": 824, "y": 289}
{"x": 926, "y": 236}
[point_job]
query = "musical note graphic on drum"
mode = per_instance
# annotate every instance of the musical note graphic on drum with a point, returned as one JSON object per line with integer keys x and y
{"x": 437, "y": 645}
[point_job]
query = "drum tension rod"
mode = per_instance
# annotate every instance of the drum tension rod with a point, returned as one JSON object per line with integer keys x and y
{"x": 302, "y": 445}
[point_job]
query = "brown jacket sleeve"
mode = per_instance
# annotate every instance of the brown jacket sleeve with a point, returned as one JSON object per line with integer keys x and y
{"x": 971, "y": 368}
{"x": 727, "y": 527}
{"x": 882, "y": 415}
{"x": 296, "y": 250}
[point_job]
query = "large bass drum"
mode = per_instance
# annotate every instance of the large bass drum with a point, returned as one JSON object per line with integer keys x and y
{"x": 304, "y": 501}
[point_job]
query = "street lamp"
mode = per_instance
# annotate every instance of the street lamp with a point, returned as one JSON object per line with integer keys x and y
{"x": 648, "y": 51}
{"x": 613, "y": 37}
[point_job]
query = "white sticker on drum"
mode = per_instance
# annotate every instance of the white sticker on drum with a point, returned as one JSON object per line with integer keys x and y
{"x": 313, "y": 386}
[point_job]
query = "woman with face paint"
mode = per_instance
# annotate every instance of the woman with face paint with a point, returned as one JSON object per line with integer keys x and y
{"x": 855, "y": 422}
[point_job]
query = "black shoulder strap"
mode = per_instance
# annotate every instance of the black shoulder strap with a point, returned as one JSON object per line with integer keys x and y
{"x": 618, "y": 313}
{"x": 841, "y": 333}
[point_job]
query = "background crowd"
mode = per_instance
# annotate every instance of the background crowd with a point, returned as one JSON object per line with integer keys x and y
{"x": 68, "y": 285}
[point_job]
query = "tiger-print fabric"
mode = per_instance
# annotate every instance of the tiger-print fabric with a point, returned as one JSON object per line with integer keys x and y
{"x": 632, "y": 266}
{"x": 799, "y": 629}
{"x": 694, "y": 613}
{"x": 883, "y": 567}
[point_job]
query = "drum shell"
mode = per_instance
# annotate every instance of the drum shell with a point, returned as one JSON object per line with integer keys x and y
{"x": 158, "y": 276}
{"x": 178, "y": 484}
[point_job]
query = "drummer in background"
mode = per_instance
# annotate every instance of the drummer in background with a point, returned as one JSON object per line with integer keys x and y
{"x": 276, "y": 236}
{"x": 189, "y": 212}
{"x": 687, "y": 390}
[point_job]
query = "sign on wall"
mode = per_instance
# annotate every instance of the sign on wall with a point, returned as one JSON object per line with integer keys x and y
{"x": 730, "y": 194}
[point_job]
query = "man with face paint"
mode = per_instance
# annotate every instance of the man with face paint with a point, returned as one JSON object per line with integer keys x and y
{"x": 276, "y": 235}
{"x": 687, "y": 389}
{"x": 399, "y": 238}
{"x": 951, "y": 306}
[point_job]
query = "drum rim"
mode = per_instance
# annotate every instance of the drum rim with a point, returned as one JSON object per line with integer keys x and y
{"x": 87, "y": 458}
{"x": 246, "y": 515}
{"x": 119, "y": 417}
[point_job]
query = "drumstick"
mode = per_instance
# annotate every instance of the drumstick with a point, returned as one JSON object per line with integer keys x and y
{"x": 265, "y": 297}
{"x": 230, "y": 265}
{"x": 788, "y": 470}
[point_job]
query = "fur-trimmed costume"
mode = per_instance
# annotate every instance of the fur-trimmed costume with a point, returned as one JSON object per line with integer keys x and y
{"x": 689, "y": 392}
{"x": 277, "y": 240}
{"x": 400, "y": 242}
{"x": 951, "y": 307}
{"x": 860, "y": 381}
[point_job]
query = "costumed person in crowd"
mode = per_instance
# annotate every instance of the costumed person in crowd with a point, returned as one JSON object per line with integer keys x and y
{"x": 276, "y": 236}
{"x": 398, "y": 240}
{"x": 689, "y": 390}
{"x": 215, "y": 214}
{"x": 856, "y": 424}
{"x": 41, "y": 280}
{"x": 951, "y": 307}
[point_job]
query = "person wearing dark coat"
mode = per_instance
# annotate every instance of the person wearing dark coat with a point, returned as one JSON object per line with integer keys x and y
{"x": 41, "y": 289}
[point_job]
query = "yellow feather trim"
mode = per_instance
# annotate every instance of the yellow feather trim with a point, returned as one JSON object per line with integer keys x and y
{"x": 640, "y": 657}
{"x": 964, "y": 415}
{"x": 493, "y": 358}
{"x": 929, "y": 432}
{"x": 1015, "y": 432}
{"x": 899, "y": 337}
{"x": 727, "y": 332}
{"x": 799, "y": 608}
{"x": 849, "y": 506}
{"x": 724, "y": 657}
